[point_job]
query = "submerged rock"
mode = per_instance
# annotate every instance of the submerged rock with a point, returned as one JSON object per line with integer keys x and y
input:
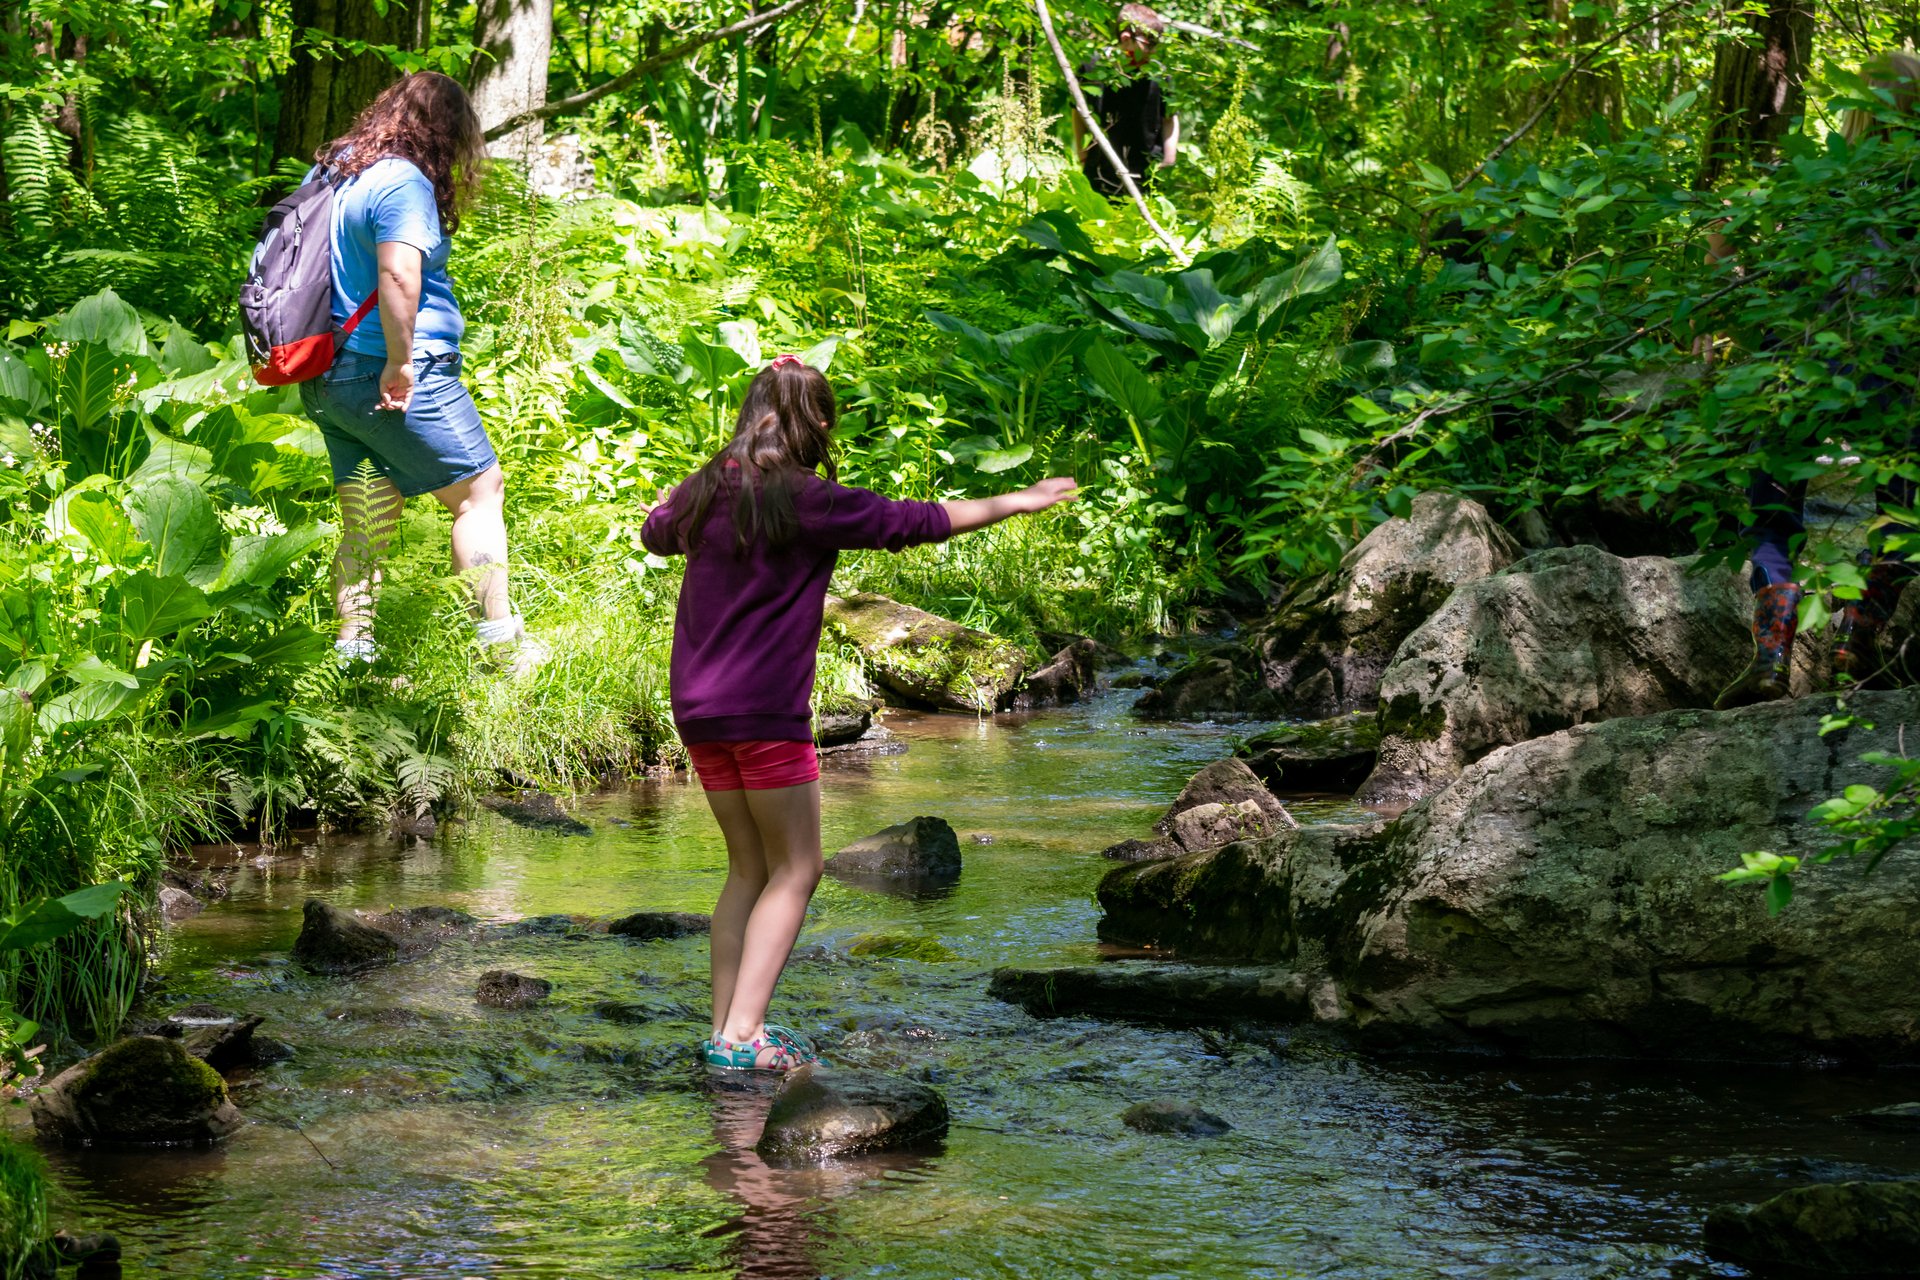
{"x": 643, "y": 926}
{"x": 1158, "y": 994}
{"x": 878, "y": 740}
{"x": 1901, "y": 1117}
{"x": 925, "y": 658}
{"x": 1141, "y": 850}
{"x": 901, "y": 946}
{"x": 1567, "y": 636}
{"x": 923, "y": 851}
{"x": 537, "y": 810}
{"x": 141, "y": 1090}
{"x": 1560, "y": 896}
{"x": 1315, "y": 755}
{"x": 1835, "y": 1229}
{"x": 423, "y": 923}
{"x": 1324, "y": 649}
{"x": 1183, "y": 1119}
{"x": 333, "y": 941}
{"x": 504, "y": 989}
{"x": 820, "y": 1113}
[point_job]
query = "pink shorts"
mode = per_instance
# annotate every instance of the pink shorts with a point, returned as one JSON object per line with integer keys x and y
{"x": 756, "y": 765}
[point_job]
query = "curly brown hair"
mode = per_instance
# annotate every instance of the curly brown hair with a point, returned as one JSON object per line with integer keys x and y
{"x": 425, "y": 118}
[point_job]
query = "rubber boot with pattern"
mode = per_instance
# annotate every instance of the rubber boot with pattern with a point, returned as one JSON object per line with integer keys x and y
{"x": 1776, "y": 617}
{"x": 1857, "y": 628}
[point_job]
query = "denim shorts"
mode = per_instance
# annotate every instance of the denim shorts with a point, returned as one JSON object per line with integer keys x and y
{"x": 436, "y": 441}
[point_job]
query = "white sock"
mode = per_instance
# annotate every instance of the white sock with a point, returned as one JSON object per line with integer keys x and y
{"x": 499, "y": 630}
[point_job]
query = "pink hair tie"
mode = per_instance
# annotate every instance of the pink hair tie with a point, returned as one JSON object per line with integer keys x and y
{"x": 788, "y": 358}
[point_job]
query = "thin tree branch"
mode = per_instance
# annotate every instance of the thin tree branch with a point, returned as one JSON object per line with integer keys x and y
{"x": 1560, "y": 86}
{"x": 1100, "y": 135}
{"x": 645, "y": 67}
{"x": 1195, "y": 29}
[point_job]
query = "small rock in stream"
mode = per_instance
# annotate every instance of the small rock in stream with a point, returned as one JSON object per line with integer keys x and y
{"x": 1181, "y": 1118}
{"x": 922, "y": 852}
{"x": 141, "y": 1090}
{"x": 93, "y": 1248}
{"x": 504, "y": 989}
{"x": 1901, "y": 1117}
{"x": 1834, "y": 1229}
{"x": 1142, "y": 850}
{"x": 643, "y": 926}
{"x": 225, "y": 1046}
{"x": 538, "y": 810}
{"x": 177, "y": 904}
{"x": 822, "y": 1112}
{"x": 429, "y": 921}
{"x": 338, "y": 942}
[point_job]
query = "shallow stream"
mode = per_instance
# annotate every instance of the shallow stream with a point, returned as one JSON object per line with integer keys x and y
{"x": 416, "y": 1134}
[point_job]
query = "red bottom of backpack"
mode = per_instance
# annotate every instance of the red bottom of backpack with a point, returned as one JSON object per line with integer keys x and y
{"x": 296, "y": 361}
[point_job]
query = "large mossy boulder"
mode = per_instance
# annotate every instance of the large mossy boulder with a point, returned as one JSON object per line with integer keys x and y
{"x": 1560, "y": 897}
{"x": 1323, "y": 650}
{"x": 822, "y": 1113}
{"x": 1830, "y": 1230}
{"x": 926, "y": 659}
{"x": 1567, "y": 636}
{"x": 144, "y": 1089}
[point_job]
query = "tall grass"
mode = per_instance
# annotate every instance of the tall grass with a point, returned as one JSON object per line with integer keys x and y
{"x": 23, "y": 1207}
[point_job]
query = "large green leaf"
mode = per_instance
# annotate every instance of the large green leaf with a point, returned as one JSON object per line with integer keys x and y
{"x": 177, "y": 520}
{"x": 106, "y": 319}
{"x": 22, "y": 385}
{"x": 181, "y": 354}
{"x": 1115, "y": 377}
{"x": 46, "y": 920}
{"x": 258, "y": 560}
{"x": 91, "y": 703}
{"x": 1035, "y": 349}
{"x": 91, "y": 382}
{"x": 96, "y": 517}
{"x": 155, "y": 606}
{"x": 983, "y": 453}
{"x": 711, "y": 363}
{"x": 168, "y": 458}
{"x": 1318, "y": 272}
{"x": 976, "y": 344}
{"x": 1201, "y": 314}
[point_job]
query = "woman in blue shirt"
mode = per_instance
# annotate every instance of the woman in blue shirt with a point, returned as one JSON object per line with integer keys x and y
{"x": 396, "y": 418}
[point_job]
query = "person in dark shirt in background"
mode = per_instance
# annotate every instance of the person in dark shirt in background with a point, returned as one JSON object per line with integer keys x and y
{"x": 1131, "y": 108}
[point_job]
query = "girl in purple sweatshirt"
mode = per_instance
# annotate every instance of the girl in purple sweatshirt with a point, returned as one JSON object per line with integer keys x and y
{"x": 761, "y": 531}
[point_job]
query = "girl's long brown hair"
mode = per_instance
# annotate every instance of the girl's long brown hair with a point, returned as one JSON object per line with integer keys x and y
{"x": 784, "y": 434}
{"x": 426, "y": 118}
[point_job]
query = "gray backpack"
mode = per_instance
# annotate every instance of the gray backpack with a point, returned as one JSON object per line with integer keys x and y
{"x": 286, "y": 301}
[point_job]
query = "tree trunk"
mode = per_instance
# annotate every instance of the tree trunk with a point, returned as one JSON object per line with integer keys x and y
{"x": 515, "y": 39}
{"x": 321, "y": 94}
{"x": 1758, "y": 87}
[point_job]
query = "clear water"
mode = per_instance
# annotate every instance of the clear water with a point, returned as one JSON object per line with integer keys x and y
{"x": 415, "y": 1134}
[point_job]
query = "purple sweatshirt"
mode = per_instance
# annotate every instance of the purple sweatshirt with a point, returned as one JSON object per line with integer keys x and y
{"x": 748, "y": 627}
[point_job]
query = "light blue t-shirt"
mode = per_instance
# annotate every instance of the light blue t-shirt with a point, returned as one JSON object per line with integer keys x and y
{"x": 392, "y": 201}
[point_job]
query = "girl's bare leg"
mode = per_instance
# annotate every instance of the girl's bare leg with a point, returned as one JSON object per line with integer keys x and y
{"x": 746, "y": 877}
{"x": 788, "y": 820}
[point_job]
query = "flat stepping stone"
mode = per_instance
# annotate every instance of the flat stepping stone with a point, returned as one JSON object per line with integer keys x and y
{"x": 646, "y": 925}
{"x": 1182, "y": 1119}
{"x": 821, "y": 1113}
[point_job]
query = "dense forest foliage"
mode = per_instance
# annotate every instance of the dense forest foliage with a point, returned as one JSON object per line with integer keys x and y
{"x": 1461, "y": 243}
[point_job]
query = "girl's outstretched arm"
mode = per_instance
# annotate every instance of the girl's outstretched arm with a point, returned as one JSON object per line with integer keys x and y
{"x": 968, "y": 514}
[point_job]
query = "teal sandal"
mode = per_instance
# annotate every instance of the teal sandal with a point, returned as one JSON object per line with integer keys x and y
{"x": 801, "y": 1047}
{"x": 732, "y": 1055}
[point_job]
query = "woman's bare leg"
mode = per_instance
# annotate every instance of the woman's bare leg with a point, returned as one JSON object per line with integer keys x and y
{"x": 369, "y": 511}
{"x": 746, "y": 877}
{"x": 788, "y": 820}
{"x": 479, "y": 507}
